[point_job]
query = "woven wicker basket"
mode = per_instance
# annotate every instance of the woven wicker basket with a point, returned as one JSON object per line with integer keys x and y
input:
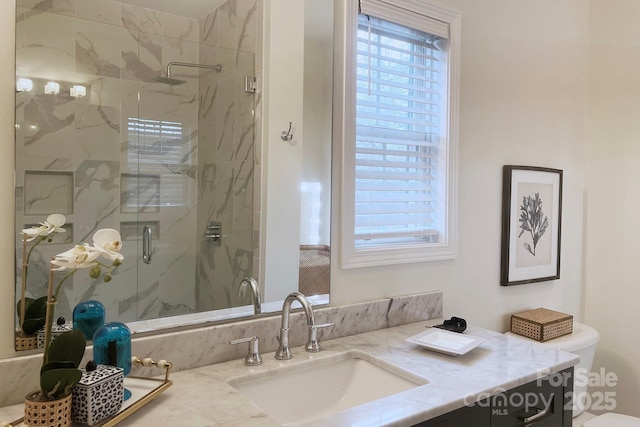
{"x": 542, "y": 324}
{"x": 25, "y": 342}
{"x": 47, "y": 413}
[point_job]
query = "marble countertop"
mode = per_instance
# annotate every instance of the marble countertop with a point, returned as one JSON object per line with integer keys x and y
{"x": 202, "y": 396}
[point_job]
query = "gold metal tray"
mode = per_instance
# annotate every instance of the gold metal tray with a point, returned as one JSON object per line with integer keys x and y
{"x": 143, "y": 391}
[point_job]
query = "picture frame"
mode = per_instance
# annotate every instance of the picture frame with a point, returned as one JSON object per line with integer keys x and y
{"x": 531, "y": 224}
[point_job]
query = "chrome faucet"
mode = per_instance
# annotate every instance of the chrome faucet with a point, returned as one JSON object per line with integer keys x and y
{"x": 284, "y": 352}
{"x": 255, "y": 293}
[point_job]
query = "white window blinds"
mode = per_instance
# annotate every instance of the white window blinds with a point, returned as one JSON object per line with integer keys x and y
{"x": 401, "y": 104}
{"x": 161, "y": 151}
{"x": 416, "y": 14}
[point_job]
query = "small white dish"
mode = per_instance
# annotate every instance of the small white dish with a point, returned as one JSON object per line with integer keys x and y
{"x": 446, "y": 342}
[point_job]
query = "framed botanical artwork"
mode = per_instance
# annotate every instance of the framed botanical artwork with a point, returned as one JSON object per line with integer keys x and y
{"x": 531, "y": 224}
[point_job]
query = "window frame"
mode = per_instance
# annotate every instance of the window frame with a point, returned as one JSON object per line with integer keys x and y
{"x": 352, "y": 256}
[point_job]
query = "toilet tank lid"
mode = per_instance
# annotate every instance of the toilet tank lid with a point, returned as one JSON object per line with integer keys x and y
{"x": 583, "y": 336}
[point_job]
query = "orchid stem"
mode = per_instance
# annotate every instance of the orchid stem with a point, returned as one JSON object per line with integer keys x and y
{"x": 69, "y": 274}
{"x": 52, "y": 299}
{"x": 49, "y": 317}
{"x": 25, "y": 266}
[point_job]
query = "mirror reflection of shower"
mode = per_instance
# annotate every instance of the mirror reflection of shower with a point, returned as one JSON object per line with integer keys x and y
{"x": 171, "y": 81}
{"x": 100, "y": 141}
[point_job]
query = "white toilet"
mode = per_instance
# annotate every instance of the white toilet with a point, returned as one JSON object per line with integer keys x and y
{"x": 583, "y": 342}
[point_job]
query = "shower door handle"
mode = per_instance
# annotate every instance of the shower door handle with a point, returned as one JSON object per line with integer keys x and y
{"x": 146, "y": 244}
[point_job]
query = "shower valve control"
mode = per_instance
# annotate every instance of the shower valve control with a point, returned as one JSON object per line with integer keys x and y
{"x": 213, "y": 233}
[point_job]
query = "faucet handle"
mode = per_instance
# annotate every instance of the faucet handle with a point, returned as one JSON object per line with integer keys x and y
{"x": 322, "y": 325}
{"x": 253, "y": 357}
{"x": 313, "y": 345}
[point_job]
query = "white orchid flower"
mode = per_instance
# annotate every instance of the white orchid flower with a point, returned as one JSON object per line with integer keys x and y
{"x": 56, "y": 221}
{"x": 52, "y": 225}
{"x": 108, "y": 242}
{"x": 80, "y": 256}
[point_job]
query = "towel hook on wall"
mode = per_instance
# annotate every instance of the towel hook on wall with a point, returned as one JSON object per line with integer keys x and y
{"x": 286, "y": 135}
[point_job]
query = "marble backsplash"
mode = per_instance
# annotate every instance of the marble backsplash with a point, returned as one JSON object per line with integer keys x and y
{"x": 193, "y": 348}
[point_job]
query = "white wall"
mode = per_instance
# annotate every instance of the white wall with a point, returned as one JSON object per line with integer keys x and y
{"x": 282, "y": 164}
{"x": 523, "y": 100}
{"x": 612, "y": 198}
{"x": 317, "y": 101}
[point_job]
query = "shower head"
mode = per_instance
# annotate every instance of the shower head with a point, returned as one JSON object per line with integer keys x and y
{"x": 175, "y": 82}
{"x": 169, "y": 81}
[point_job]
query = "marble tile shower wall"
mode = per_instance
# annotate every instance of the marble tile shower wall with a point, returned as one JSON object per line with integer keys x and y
{"x": 131, "y": 152}
{"x": 227, "y": 180}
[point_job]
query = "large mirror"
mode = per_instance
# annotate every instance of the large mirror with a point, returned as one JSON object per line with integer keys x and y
{"x": 211, "y": 175}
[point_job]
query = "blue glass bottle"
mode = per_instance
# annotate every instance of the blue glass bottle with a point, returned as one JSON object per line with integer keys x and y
{"x": 112, "y": 346}
{"x": 88, "y": 317}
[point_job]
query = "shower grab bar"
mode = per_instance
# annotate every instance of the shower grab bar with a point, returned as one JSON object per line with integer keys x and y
{"x": 146, "y": 244}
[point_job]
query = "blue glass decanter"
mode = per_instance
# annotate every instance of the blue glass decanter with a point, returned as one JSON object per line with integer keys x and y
{"x": 112, "y": 346}
{"x": 88, "y": 317}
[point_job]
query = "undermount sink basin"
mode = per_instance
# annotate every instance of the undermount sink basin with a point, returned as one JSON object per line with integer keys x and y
{"x": 319, "y": 387}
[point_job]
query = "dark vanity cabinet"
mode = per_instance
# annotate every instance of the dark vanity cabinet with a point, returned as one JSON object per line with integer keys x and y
{"x": 470, "y": 416}
{"x": 541, "y": 403}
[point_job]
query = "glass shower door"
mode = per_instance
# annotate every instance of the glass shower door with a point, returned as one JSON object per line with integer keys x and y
{"x": 163, "y": 154}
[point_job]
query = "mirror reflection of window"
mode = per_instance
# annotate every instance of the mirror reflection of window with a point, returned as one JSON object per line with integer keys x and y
{"x": 159, "y": 148}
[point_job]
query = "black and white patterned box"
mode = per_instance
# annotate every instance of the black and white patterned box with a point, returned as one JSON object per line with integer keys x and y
{"x": 99, "y": 395}
{"x": 56, "y": 331}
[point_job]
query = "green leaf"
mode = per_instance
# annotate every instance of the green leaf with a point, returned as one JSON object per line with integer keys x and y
{"x": 36, "y": 307}
{"x": 35, "y": 315}
{"x": 69, "y": 346}
{"x": 56, "y": 365}
{"x": 27, "y": 303}
{"x": 57, "y": 383}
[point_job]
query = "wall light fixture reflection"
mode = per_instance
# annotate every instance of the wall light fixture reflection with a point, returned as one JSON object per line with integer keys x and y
{"x": 78, "y": 91}
{"x": 24, "y": 85}
{"x": 52, "y": 88}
